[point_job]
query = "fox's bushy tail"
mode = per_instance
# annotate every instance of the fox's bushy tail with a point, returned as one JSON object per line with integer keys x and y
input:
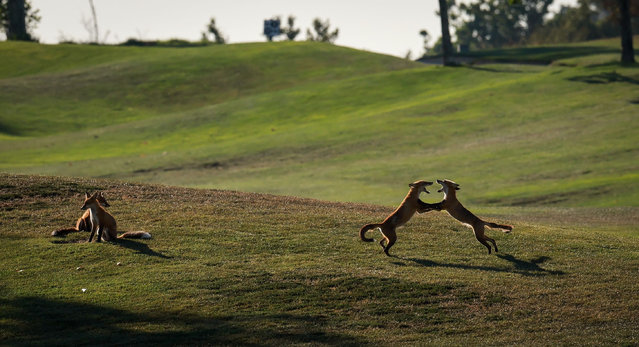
{"x": 64, "y": 232}
{"x": 364, "y": 229}
{"x": 505, "y": 228}
{"x": 135, "y": 235}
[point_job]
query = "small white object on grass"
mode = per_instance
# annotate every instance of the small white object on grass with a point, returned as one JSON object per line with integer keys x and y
{"x": 84, "y": 290}
{"x": 118, "y": 264}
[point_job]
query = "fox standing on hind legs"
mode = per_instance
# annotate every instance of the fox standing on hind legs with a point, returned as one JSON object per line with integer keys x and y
{"x": 401, "y": 215}
{"x": 84, "y": 222}
{"x": 459, "y": 212}
{"x": 104, "y": 223}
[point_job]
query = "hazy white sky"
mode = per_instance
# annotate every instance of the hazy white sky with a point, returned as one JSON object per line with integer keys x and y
{"x": 384, "y": 26}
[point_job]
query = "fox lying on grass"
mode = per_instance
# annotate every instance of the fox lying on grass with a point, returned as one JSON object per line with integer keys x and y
{"x": 84, "y": 222}
{"x": 401, "y": 215}
{"x": 451, "y": 205}
{"x": 104, "y": 223}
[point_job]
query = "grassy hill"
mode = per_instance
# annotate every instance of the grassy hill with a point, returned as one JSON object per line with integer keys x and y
{"x": 80, "y": 87}
{"x": 231, "y": 268}
{"x": 321, "y": 121}
{"x": 550, "y": 149}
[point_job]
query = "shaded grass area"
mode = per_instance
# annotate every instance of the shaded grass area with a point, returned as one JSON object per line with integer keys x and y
{"x": 546, "y": 54}
{"x": 234, "y": 268}
{"x": 542, "y": 54}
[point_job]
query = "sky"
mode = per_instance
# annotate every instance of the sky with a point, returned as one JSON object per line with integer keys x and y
{"x": 383, "y": 26}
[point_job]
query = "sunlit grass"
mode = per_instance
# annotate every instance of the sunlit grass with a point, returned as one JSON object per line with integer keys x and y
{"x": 236, "y": 268}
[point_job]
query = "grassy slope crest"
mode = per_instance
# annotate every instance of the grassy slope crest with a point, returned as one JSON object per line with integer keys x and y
{"x": 322, "y": 121}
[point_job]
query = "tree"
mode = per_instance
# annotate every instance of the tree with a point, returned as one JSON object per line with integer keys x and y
{"x": 627, "y": 53}
{"x": 95, "y": 22}
{"x": 590, "y": 20}
{"x": 322, "y": 32}
{"x": 212, "y": 29}
{"x": 497, "y": 23}
{"x": 570, "y": 24}
{"x": 91, "y": 26}
{"x": 18, "y": 18}
{"x": 290, "y": 31}
{"x": 447, "y": 47}
{"x": 613, "y": 8}
{"x": 272, "y": 28}
{"x": 426, "y": 38}
{"x": 620, "y": 12}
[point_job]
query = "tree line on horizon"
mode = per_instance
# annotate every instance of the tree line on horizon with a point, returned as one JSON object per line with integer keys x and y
{"x": 18, "y": 19}
{"x": 481, "y": 24}
{"x": 322, "y": 31}
{"x": 490, "y": 24}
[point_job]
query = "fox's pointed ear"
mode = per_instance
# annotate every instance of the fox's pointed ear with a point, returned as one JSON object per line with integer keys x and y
{"x": 412, "y": 185}
{"x": 86, "y": 195}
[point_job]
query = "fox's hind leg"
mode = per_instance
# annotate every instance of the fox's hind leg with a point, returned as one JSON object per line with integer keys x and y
{"x": 391, "y": 237}
{"x": 479, "y": 235}
{"x": 491, "y": 241}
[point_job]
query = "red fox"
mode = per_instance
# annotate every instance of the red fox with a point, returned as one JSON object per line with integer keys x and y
{"x": 401, "y": 215}
{"x": 104, "y": 223}
{"x": 459, "y": 212}
{"x": 84, "y": 222}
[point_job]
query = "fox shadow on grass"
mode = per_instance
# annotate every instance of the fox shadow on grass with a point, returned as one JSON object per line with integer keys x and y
{"x": 138, "y": 247}
{"x": 40, "y": 321}
{"x": 520, "y": 266}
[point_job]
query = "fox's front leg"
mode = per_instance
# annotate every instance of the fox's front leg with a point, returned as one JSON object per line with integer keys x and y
{"x": 100, "y": 229}
{"x": 425, "y": 207}
{"x": 93, "y": 229}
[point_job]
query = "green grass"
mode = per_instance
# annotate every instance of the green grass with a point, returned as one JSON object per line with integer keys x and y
{"x": 79, "y": 87}
{"x": 237, "y": 268}
{"x": 321, "y": 121}
{"x": 550, "y": 149}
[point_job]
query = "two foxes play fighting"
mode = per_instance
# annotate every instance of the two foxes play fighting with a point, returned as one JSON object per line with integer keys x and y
{"x": 412, "y": 204}
{"x": 97, "y": 219}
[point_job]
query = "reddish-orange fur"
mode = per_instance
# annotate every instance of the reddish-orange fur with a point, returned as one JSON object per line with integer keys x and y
{"x": 104, "y": 223}
{"x": 400, "y": 216}
{"x": 83, "y": 223}
{"x": 451, "y": 205}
